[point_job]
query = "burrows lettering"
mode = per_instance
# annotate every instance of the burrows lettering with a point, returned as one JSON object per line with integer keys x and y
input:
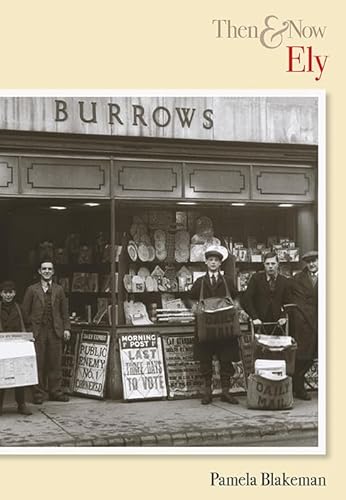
{"x": 136, "y": 115}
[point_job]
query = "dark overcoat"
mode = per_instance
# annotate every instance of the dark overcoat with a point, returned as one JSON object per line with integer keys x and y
{"x": 305, "y": 315}
{"x": 229, "y": 346}
{"x": 260, "y": 302}
{"x": 11, "y": 318}
{"x": 33, "y": 308}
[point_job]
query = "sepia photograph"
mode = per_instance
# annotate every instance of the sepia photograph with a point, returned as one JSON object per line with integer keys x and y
{"x": 162, "y": 272}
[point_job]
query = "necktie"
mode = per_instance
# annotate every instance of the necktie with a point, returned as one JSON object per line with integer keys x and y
{"x": 213, "y": 279}
{"x": 313, "y": 278}
{"x": 272, "y": 284}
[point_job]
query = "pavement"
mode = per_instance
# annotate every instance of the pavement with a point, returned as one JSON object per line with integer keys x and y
{"x": 86, "y": 422}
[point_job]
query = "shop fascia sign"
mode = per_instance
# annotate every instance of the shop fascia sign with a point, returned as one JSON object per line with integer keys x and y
{"x": 134, "y": 115}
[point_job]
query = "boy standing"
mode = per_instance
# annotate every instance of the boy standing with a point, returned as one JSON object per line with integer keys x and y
{"x": 11, "y": 320}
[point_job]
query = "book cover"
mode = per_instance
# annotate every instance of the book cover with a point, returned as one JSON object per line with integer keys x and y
{"x": 196, "y": 45}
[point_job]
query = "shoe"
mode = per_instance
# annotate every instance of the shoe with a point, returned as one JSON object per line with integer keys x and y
{"x": 24, "y": 410}
{"x": 302, "y": 395}
{"x": 206, "y": 399}
{"x": 59, "y": 397}
{"x": 227, "y": 398}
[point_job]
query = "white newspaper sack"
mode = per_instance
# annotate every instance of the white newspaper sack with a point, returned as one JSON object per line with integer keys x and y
{"x": 18, "y": 365}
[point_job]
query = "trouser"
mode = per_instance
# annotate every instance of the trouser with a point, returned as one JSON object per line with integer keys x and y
{"x": 49, "y": 355}
{"x": 226, "y": 372}
{"x": 301, "y": 367}
{"x": 19, "y": 393}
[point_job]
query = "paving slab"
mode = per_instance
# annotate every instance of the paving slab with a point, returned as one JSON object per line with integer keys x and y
{"x": 87, "y": 422}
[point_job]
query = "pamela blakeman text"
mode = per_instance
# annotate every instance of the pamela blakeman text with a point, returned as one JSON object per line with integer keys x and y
{"x": 266, "y": 479}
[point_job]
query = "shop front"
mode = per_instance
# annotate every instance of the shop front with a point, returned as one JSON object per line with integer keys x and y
{"x": 125, "y": 194}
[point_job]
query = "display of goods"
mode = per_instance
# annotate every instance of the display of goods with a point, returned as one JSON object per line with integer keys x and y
{"x": 60, "y": 256}
{"x": 151, "y": 284}
{"x": 181, "y": 220}
{"x": 170, "y": 245}
{"x": 160, "y": 237}
{"x": 136, "y": 313}
{"x": 158, "y": 272}
{"x": 85, "y": 255}
{"x": 151, "y": 253}
{"x": 46, "y": 250}
{"x": 294, "y": 254}
{"x": 127, "y": 280}
{"x": 197, "y": 253}
{"x": 184, "y": 277}
{"x": 139, "y": 232}
{"x": 145, "y": 239}
{"x": 65, "y": 283}
{"x": 143, "y": 272}
{"x": 160, "y": 219}
{"x": 85, "y": 282}
{"x": 132, "y": 250}
{"x": 105, "y": 283}
{"x": 182, "y": 246}
{"x": 204, "y": 225}
{"x": 132, "y": 270}
{"x": 72, "y": 244}
{"x": 171, "y": 283}
{"x": 138, "y": 284}
{"x": 143, "y": 252}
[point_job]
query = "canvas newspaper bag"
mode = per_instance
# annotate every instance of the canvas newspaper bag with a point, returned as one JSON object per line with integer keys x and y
{"x": 216, "y": 317}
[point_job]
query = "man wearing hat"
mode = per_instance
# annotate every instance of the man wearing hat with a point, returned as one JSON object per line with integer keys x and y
{"x": 305, "y": 320}
{"x": 226, "y": 351}
{"x": 11, "y": 320}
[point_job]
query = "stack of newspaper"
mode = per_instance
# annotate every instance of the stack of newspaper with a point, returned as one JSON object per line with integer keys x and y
{"x": 271, "y": 369}
{"x": 180, "y": 315}
{"x": 274, "y": 342}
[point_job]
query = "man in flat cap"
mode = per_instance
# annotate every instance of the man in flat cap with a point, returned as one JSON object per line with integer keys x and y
{"x": 11, "y": 320}
{"x": 227, "y": 351}
{"x": 305, "y": 320}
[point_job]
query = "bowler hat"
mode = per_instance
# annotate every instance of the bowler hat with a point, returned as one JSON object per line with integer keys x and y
{"x": 311, "y": 255}
{"x": 8, "y": 286}
{"x": 216, "y": 250}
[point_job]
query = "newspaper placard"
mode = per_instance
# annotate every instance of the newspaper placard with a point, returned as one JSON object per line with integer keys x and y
{"x": 69, "y": 359}
{"x": 183, "y": 372}
{"x": 142, "y": 367}
{"x": 17, "y": 363}
{"x": 246, "y": 354}
{"x": 91, "y": 363}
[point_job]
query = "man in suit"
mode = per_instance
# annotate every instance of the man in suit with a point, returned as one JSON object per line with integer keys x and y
{"x": 46, "y": 312}
{"x": 266, "y": 294}
{"x": 305, "y": 320}
{"x": 225, "y": 350}
{"x": 11, "y": 320}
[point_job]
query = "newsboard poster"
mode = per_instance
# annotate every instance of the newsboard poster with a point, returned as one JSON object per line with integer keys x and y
{"x": 142, "y": 366}
{"x": 17, "y": 361}
{"x": 91, "y": 366}
{"x": 183, "y": 372}
{"x": 69, "y": 360}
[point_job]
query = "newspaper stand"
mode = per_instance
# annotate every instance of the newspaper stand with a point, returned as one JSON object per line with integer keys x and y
{"x": 267, "y": 393}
